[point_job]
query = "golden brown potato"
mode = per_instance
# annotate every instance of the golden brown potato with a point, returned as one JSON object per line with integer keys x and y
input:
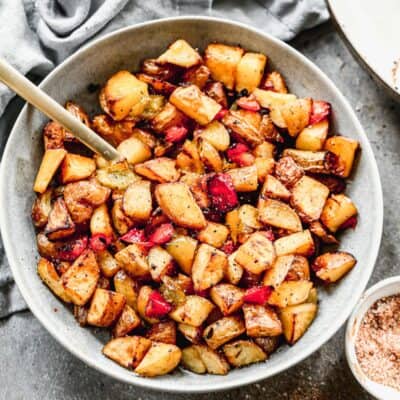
{"x": 249, "y": 71}
{"x": 208, "y": 267}
{"x": 215, "y": 362}
{"x": 125, "y": 285}
{"x": 313, "y": 296}
{"x": 261, "y": 321}
{"x": 243, "y": 352}
{"x": 164, "y": 332}
{"x": 80, "y": 280}
{"x": 197, "y": 75}
{"x": 268, "y": 343}
{"x": 100, "y": 222}
{"x": 296, "y": 115}
{"x": 127, "y": 351}
{"x": 313, "y": 137}
{"x": 127, "y": 322}
{"x": 299, "y": 269}
{"x": 228, "y": 297}
{"x": 191, "y": 333}
{"x": 300, "y": 243}
{"x": 213, "y": 234}
{"x": 134, "y": 150}
{"x": 330, "y": 267}
{"x": 192, "y": 361}
{"x": 194, "y": 312}
{"x": 122, "y": 223}
{"x": 209, "y": 155}
{"x": 112, "y": 131}
{"x": 189, "y": 158}
{"x": 345, "y": 149}
{"x": 222, "y": 61}
{"x": 195, "y": 104}
{"x": 234, "y": 271}
{"x": 137, "y": 201}
{"x": 338, "y": 209}
{"x": 244, "y": 179}
{"x": 288, "y": 172}
{"x": 80, "y": 314}
{"x": 116, "y": 175}
{"x": 75, "y": 167}
{"x": 274, "y": 189}
{"x": 274, "y": 81}
{"x": 183, "y": 248}
{"x": 167, "y": 117}
{"x": 178, "y": 203}
{"x": 197, "y": 186}
{"x": 41, "y": 208}
{"x": 290, "y": 293}
{"x": 216, "y": 134}
{"x": 59, "y": 224}
{"x": 133, "y": 261}
{"x": 180, "y": 53}
{"x": 53, "y": 135}
{"x": 265, "y": 149}
{"x": 265, "y": 166}
{"x": 223, "y": 330}
{"x": 242, "y": 222}
{"x": 161, "y": 169}
{"x": 256, "y": 254}
{"x": 160, "y": 262}
{"x": 322, "y": 233}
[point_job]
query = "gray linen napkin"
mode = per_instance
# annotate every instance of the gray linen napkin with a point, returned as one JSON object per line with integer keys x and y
{"x": 37, "y": 35}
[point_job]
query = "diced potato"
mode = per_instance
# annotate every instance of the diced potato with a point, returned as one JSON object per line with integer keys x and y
{"x": 244, "y": 179}
{"x": 153, "y": 107}
{"x": 48, "y": 274}
{"x": 195, "y": 104}
{"x": 215, "y": 363}
{"x": 243, "y": 352}
{"x": 296, "y": 320}
{"x": 290, "y": 293}
{"x": 223, "y": 330}
{"x": 191, "y": 333}
{"x": 228, "y": 297}
{"x": 182, "y": 249}
{"x": 313, "y": 137}
{"x": 265, "y": 150}
{"x": 345, "y": 149}
{"x": 125, "y": 285}
{"x": 121, "y": 221}
{"x": 261, "y": 321}
{"x": 313, "y": 296}
{"x": 222, "y": 61}
{"x": 192, "y": 361}
{"x": 242, "y": 222}
{"x": 59, "y": 224}
{"x": 161, "y": 169}
{"x": 105, "y": 308}
{"x": 80, "y": 314}
{"x": 232, "y": 222}
{"x": 41, "y": 208}
{"x": 274, "y": 189}
{"x": 288, "y": 172}
{"x": 210, "y": 156}
{"x": 265, "y": 166}
{"x": 189, "y": 158}
{"x": 75, "y": 167}
{"x": 278, "y": 214}
{"x": 134, "y": 150}
{"x": 127, "y": 351}
{"x": 322, "y": 233}
{"x": 216, "y": 134}
{"x": 54, "y": 135}
{"x": 142, "y": 302}
{"x": 308, "y": 198}
{"x": 127, "y": 322}
{"x": 249, "y": 71}
{"x": 256, "y": 254}
{"x": 100, "y": 222}
{"x": 80, "y": 280}
{"x": 275, "y": 82}
{"x": 296, "y": 115}
{"x": 268, "y": 343}
{"x": 50, "y": 162}
{"x": 234, "y": 271}
{"x": 116, "y": 175}
{"x": 133, "y": 260}
{"x": 180, "y": 53}
{"x": 213, "y": 234}
{"x": 197, "y": 75}
{"x": 122, "y": 92}
{"x": 137, "y": 201}
{"x": 160, "y": 262}
{"x": 338, "y": 209}
{"x": 300, "y": 243}
{"x": 167, "y": 117}
{"x": 330, "y": 267}
{"x": 178, "y": 203}
{"x": 113, "y": 131}
{"x": 164, "y": 332}
{"x": 194, "y": 312}
{"x": 299, "y": 269}
{"x": 196, "y": 183}
{"x": 277, "y": 274}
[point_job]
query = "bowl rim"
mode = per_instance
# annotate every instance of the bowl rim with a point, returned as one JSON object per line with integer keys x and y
{"x": 245, "y": 379}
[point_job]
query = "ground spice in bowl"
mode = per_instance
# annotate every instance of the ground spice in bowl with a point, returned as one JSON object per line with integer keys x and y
{"x": 378, "y": 342}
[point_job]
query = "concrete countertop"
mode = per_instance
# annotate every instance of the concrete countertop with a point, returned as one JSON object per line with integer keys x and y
{"x": 34, "y": 366}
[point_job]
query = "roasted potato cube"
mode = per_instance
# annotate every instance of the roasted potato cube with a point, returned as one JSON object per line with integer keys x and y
{"x": 80, "y": 280}
{"x": 300, "y": 243}
{"x": 134, "y": 150}
{"x": 180, "y": 53}
{"x": 312, "y": 296}
{"x": 105, "y": 308}
{"x": 330, "y": 267}
{"x": 164, "y": 332}
{"x": 261, "y": 321}
{"x": 142, "y": 302}
{"x": 215, "y": 363}
{"x": 161, "y": 169}
{"x": 80, "y": 314}
{"x": 194, "y": 312}
{"x": 48, "y": 274}
{"x": 299, "y": 269}
{"x": 113, "y": 131}
{"x": 268, "y": 343}
{"x": 322, "y": 233}
{"x": 274, "y": 189}
{"x": 153, "y": 107}
{"x": 133, "y": 261}
{"x": 196, "y": 183}
{"x": 209, "y": 156}
{"x": 345, "y": 149}
{"x": 53, "y": 135}
{"x": 296, "y": 114}
{"x": 116, "y": 175}
{"x": 75, "y": 167}
{"x": 265, "y": 166}
{"x": 308, "y": 198}
{"x": 313, "y": 137}
{"x": 223, "y": 331}
{"x": 265, "y": 150}
{"x": 197, "y": 75}
{"x": 242, "y": 222}
{"x": 338, "y": 209}
{"x": 191, "y": 333}
{"x": 278, "y": 214}
{"x": 127, "y": 351}
{"x": 51, "y": 160}
{"x": 256, "y": 254}
{"x": 208, "y": 267}
{"x": 189, "y": 158}
{"x": 41, "y": 208}
{"x": 192, "y": 361}
{"x": 216, "y": 134}
{"x": 243, "y": 352}
{"x": 288, "y": 172}
{"x": 290, "y": 293}
{"x": 222, "y": 61}
{"x": 122, "y": 223}
{"x": 296, "y": 320}
{"x": 274, "y": 81}
{"x": 234, "y": 271}
{"x": 137, "y": 201}
{"x": 244, "y": 179}
{"x": 278, "y": 272}
{"x": 213, "y": 234}
{"x": 167, "y": 117}
{"x": 195, "y": 104}
{"x": 59, "y": 224}
{"x": 160, "y": 262}
{"x": 127, "y": 322}
{"x": 125, "y": 285}
{"x": 229, "y": 298}
{"x": 182, "y": 249}
{"x": 123, "y": 92}
{"x": 100, "y": 222}
{"x": 249, "y": 71}
{"x": 178, "y": 203}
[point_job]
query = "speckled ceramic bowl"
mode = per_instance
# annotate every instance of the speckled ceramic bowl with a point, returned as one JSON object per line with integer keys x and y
{"x": 125, "y": 49}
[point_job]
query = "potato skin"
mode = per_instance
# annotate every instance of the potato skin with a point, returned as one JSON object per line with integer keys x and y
{"x": 127, "y": 322}
{"x": 164, "y": 332}
{"x": 261, "y": 321}
{"x": 192, "y": 361}
{"x": 330, "y": 267}
{"x": 223, "y": 331}
{"x": 215, "y": 362}
{"x": 194, "y": 312}
{"x": 59, "y": 224}
{"x": 243, "y": 352}
{"x": 228, "y": 297}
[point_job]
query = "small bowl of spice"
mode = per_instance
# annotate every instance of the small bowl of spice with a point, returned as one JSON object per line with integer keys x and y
{"x": 373, "y": 340}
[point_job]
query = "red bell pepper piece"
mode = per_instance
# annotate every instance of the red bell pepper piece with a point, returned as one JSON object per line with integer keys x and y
{"x": 157, "y": 307}
{"x": 176, "y": 134}
{"x": 222, "y": 193}
{"x": 228, "y": 247}
{"x": 320, "y": 110}
{"x": 350, "y": 223}
{"x": 240, "y": 154}
{"x": 257, "y": 295}
{"x": 99, "y": 242}
{"x": 221, "y": 114}
{"x": 162, "y": 234}
{"x": 72, "y": 249}
{"x": 137, "y": 236}
{"x": 248, "y": 103}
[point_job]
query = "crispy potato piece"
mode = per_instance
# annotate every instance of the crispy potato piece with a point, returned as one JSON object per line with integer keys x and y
{"x": 164, "y": 332}
{"x": 338, "y": 209}
{"x": 209, "y": 156}
{"x": 134, "y": 150}
{"x": 59, "y": 224}
{"x": 198, "y": 187}
{"x": 345, "y": 149}
{"x": 288, "y": 172}
{"x": 160, "y": 262}
{"x": 133, "y": 261}
{"x": 167, "y": 117}
{"x": 154, "y": 106}
{"x": 223, "y": 331}
{"x": 322, "y": 233}
{"x": 157, "y": 84}
{"x": 161, "y": 169}
{"x": 41, "y": 208}
{"x": 192, "y": 361}
{"x": 180, "y": 53}
{"x": 268, "y": 343}
{"x": 330, "y": 267}
{"x": 48, "y": 274}
{"x": 142, "y": 302}
{"x": 178, "y": 203}
{"x": 121, "y": 221}
{"x": 290, "y": 293}
{"x": 222, "y": 61}
{"x": 113, "y": 131}
{"x": 80, "y": 314}
{"x": 208, "y": 267}
{"x": 53, "y": 136}
{"x": 313, "y": 137}
{"x": 312, "y": 296}
{"x": 195, "y": 104}
{"x": 274, "y": 81}
{"x": 232, "y": 221}
{"x": 183, "y": 248}
{"x": 100, "y": 222}
{"x": 265, "y": 149}
{"x": 137, "y": 201}
{"x": 243, "y": 352}
{"x": 274, "y": 189}
{"x": 296, "y": 320}
{"x": 300, "y": 243}
{"x": 278, "y": 214}
{"x": 299, "y": 269}
{"x": 191, "y": 333}
{"x": 80, "y": 280}
{"x": 194, "y": 312}
{"x": 216, "y": 134}
{"x": 277, "y": 274}
{"x": 215, "y": 363}
{"x": 75, "y": 168}
{"x": 51, "y": 160}
{"x": 125, "y": 285}
{"x": 189, "y": 158}
{"x": 213, "y": 234}
{"x": 228, "y": 297}
{"x": 296, "y": 115}
{"x": 127, "y": 351}
{"x": 234, "y": 271}
{"x": 197, "y": 75}
{"x": 116, "y": 175}
{"x": 216, "y": 91}
{"x": 242, "y": 222}
{"x": 249, "y": 71}
{"x": 244, "y": 179}
{"x": 122, "y": 92}
{"x": 261, "y": 321}
{"x": 257, "y": 254}
{"x": 264, "y": 167}
{"x": 127, "y": 322}
{"x": 107, "y": 263}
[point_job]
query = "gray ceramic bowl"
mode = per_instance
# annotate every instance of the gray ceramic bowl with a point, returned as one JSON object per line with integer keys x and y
{"x": 125, "y": 49}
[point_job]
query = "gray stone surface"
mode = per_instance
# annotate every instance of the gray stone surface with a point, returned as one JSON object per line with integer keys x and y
{"x": 34, "y": 366}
